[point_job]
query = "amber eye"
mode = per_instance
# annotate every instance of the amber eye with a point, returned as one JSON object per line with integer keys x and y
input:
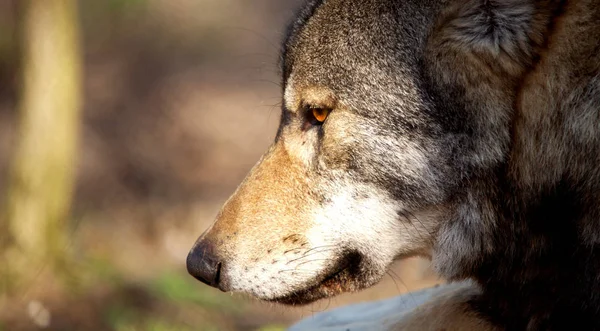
{"x": 320, "y": 114}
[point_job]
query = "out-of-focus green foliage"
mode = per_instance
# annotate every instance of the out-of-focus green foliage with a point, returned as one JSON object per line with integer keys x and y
{"x": 179, "y": 288}
{"x": 123, "y": 318}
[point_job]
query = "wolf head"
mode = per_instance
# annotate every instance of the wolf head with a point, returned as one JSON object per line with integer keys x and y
{"x": 391, "y": 110}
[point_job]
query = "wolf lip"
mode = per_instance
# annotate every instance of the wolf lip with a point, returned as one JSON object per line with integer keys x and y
{"x": 342, "y": 279}
{"x": 330, "y": 286}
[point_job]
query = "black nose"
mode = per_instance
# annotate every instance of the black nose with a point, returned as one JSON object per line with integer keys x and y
{"x": 203, "y": 264}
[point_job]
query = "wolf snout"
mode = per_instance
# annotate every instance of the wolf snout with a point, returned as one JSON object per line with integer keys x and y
{"x": 204, "y": 264}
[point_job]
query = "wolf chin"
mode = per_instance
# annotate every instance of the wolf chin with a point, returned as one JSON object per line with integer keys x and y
{"x": 466, "y": 131}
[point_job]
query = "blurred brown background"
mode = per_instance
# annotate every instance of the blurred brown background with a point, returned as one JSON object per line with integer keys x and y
{"x": 179, "y": 99}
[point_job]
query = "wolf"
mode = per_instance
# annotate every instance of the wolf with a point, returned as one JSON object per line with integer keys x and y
{"x": 465, "y": 131}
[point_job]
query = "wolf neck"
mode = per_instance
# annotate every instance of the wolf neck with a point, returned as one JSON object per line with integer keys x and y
{"x": 540, "y": 274}
{"x": 475, "y": 73}
{"x": 526, "y": 228}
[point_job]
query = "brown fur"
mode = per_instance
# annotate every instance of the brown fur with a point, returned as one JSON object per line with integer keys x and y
{"x": 464, "y": 130}
{"x": 275, "y": 188}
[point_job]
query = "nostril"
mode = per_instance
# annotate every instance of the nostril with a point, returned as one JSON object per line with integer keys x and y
{"x": 217, "y": 276}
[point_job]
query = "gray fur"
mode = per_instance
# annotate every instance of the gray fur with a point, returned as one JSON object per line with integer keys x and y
{"x": 476, "y": 121}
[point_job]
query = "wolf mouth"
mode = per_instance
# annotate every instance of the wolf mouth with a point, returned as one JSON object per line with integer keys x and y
{"x": 343, "y": 278}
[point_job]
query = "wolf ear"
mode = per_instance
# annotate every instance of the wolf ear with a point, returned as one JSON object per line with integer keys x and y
{"x": 501, "y": 36}
{"x": 476, "y": 58}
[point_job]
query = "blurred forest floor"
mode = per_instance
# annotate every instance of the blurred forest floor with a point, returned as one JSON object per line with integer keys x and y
{"x": 181, "y": 97}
